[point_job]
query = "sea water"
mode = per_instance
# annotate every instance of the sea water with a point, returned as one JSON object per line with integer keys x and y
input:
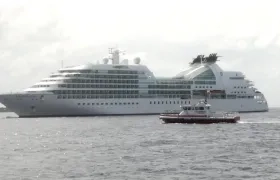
{"x": 139, "y": 147}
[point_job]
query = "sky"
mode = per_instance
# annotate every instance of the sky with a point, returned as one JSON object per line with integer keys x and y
{"x": 37, "y": 35}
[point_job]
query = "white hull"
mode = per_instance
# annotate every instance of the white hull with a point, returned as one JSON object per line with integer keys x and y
{"x": 32, "y": 106}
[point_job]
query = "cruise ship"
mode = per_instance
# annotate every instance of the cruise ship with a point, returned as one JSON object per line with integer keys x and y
{"x": 115, "y": 87}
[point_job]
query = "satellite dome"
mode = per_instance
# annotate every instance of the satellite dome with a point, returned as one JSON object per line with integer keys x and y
{"x": 137, "y": 60}
{"x": 105, "y": 60}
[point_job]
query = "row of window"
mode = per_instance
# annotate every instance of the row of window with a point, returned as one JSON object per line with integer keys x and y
{"x": 116, "y": 92}
{"x": 169, "y": 86}
{"x": 237, "y": 92}
{"x": 96, "y": 96}
{"x": 141, "y": 96}
{"x": 103, "y": 76}
{"x": 111, "y": 86}
{"x": 122, "y": 72}
{"x": 117, "y": 86}
{"x": 174, "y": 82}
{"x": 96, "y": 76}
{"x": 97, "y": 104}
{"x": 205, "y": 78}
{"x": 109, "y": 92}
{"x": 49, "y": 80}
{"x": 168, "y": 92}
{"x": 88, "y": 71}
{"x": 203, "y": 87}
{"x": 242, "y": 87}
{"x": 38, "y": 86}
{"x": 114, "y": 96}
{"x": 243, "y": 97}
{"x": 206, "y": 75}
{"x": 101, "y": 81}
{"x": 89, "y": 92}
{"x": 237, "y": 78}
{"x": 96, "y": 86}
{"x": 78, "y": 71}
{"x": 169, "y": 102}
{"x": 136, "y": 103}
{"x": 205, "y": 82}
{"x": 240, "y": 97}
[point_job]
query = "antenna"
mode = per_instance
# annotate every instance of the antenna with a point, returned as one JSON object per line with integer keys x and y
{"x": 207, "y": 93}
{"x": 115, "y": 55}
{"x": 110, "y": 50}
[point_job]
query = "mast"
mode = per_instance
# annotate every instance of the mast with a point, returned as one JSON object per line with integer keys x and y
{"x": 115, "y": 55}
{"x": 206, "y": 95}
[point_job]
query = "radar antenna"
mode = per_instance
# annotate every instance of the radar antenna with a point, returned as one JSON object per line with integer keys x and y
{"x": 115, "y": 55}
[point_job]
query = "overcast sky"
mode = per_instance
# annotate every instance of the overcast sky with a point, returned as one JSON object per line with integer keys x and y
{"x": 35, "y": 36}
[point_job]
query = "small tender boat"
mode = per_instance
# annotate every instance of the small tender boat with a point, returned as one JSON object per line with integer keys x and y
{"x": 199, "y": 113}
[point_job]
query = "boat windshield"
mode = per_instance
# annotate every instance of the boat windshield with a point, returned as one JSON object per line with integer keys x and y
{"x": 199, "y": 108}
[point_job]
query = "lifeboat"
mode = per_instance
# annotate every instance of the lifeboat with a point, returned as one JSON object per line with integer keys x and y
{"x": 199, "y": 113}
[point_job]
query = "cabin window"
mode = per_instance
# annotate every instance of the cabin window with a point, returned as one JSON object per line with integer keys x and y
{"x": 201, "y": 108}
{"x": 189, "y": 108}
